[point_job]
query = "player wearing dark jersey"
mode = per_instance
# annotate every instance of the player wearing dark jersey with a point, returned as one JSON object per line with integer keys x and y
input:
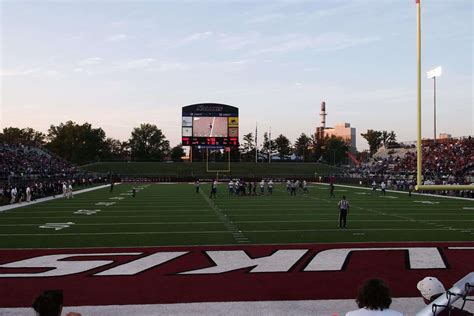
{"x": 331, "y": 190}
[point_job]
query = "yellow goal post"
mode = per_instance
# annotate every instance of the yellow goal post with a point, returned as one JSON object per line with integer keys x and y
{"x": 419, "y": 146}
{"x": 217, "y": 170}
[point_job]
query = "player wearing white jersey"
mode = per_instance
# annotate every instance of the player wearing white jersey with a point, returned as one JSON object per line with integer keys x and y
{"x": 28, "y": 194}
{"x": 231, "y": 187}
{"x": 69, "y": 191}
{"x": 13, "y": 193}
{"x": 64, "y": 189}
{"x": 305, "y": 187}
{"x": 270, "y": 187}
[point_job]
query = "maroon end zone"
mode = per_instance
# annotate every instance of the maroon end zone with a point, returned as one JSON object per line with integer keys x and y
{"x": 155, "y": 275}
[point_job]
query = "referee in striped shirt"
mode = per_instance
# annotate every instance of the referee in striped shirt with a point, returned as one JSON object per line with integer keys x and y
{"x": 343, "y": 209}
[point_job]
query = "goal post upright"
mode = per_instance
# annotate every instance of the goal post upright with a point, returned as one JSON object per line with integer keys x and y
{"x": 419, "y": 146}
{"x": 418, "y": 81}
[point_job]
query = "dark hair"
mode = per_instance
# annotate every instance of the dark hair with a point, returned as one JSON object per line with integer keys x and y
{"x": 48, "y": 303}
{"x": 374, "y": 295}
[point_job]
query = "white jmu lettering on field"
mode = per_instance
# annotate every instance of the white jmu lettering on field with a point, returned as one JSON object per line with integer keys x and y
{"x": 280, "y": 261}
{"x": 86, "y": 212}
{"x": 418, "y": 258}
{"x": 57, "y": 266}
{"x": 105, "y": 203}
{"x": 116, "y": 198}
{"x": 57, "y": 226}
{"x": 142, "y": 264}
{"x": 126, "y": 193}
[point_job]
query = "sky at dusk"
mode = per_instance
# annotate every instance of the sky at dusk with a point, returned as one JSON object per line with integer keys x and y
{"x": 116, "y": 64}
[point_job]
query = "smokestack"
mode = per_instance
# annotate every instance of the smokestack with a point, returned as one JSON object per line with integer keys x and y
{"x": 323, "y": 114}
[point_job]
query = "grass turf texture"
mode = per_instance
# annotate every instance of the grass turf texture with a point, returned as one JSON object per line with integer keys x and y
{"x": 173, "y": 214}
{"x": 198, "y": 169}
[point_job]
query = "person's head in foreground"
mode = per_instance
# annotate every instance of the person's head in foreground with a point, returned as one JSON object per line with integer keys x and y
{"x": 374, "y": 298}
{"x": 48, "y": 303}
{"x": 430, "y": 288}
{"x": 374, "y": 294}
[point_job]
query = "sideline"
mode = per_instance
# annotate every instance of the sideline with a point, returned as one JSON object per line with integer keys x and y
{"x": 399, "y": 192}
{"x": 50, "y": 198}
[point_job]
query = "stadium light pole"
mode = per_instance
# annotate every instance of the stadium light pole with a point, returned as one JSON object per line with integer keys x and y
{"x": 432, "y": 74}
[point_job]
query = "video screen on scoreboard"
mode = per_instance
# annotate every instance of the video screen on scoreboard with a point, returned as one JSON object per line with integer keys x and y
{"x": 210, "y": 126}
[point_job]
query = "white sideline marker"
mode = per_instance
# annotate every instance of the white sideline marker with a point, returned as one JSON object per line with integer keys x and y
{"x": 86, "y": 212}
{"x": 57, "y": 226}
{"x": 426, "y": 202}
{"x": 105, "y": 203}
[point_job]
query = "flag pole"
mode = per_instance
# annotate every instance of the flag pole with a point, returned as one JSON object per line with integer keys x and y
{"x": 270, "y": 145}
{"x": 418, "y": 59}
{"x": 256, "y": 150}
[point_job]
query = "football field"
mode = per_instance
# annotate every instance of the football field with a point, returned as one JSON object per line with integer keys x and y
{"x": 170, "y": 250}
{"x": 173, "y": 214}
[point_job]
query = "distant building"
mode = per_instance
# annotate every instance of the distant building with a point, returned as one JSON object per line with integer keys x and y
{"x": 343, "y": 130}
{"x": 445, "y": 136}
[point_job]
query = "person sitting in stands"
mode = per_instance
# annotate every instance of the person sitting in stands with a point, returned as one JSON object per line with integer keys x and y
{"x": 431, "y": 288}
{"x": 50, "y": 303}
{"x": 374, "y": 299}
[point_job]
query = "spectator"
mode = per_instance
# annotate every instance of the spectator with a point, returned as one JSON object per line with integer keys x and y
{"x": 374, "y": 299}
{"x": 50, "y": 303}
{"x": 431, "y": 288}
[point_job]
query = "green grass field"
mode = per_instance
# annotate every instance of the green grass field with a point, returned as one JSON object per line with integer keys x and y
{"x": 173, "y": 214}
{"x": 198, "y": 169}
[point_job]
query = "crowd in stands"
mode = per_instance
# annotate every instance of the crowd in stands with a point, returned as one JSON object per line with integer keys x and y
{"x": 31, "y": 191}
{"x": 22, "y": 160}
{"x": 28, "y": 173}
{"x": 446, "y": 162}
{"x": 449, "y": 158}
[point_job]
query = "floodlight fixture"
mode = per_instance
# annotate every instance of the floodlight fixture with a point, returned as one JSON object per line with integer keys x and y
{"x": 433, "y": 73}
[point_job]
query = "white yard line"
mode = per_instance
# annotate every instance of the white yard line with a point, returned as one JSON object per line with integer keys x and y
{"x": 399, "y": 192}
{"x": 302, "y": 244}
{"x": 250, "y": 222}
{"x": 227, "y": 231}
{"x": 231, "y": 227}
{"x": 50, "y": 198}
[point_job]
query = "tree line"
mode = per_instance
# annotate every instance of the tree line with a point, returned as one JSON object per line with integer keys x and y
{"x": 82, "y": 144}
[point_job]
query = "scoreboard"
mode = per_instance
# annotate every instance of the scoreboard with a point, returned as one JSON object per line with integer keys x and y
{"x": 210, "y": 125}
{"x": 211, "y": 141}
